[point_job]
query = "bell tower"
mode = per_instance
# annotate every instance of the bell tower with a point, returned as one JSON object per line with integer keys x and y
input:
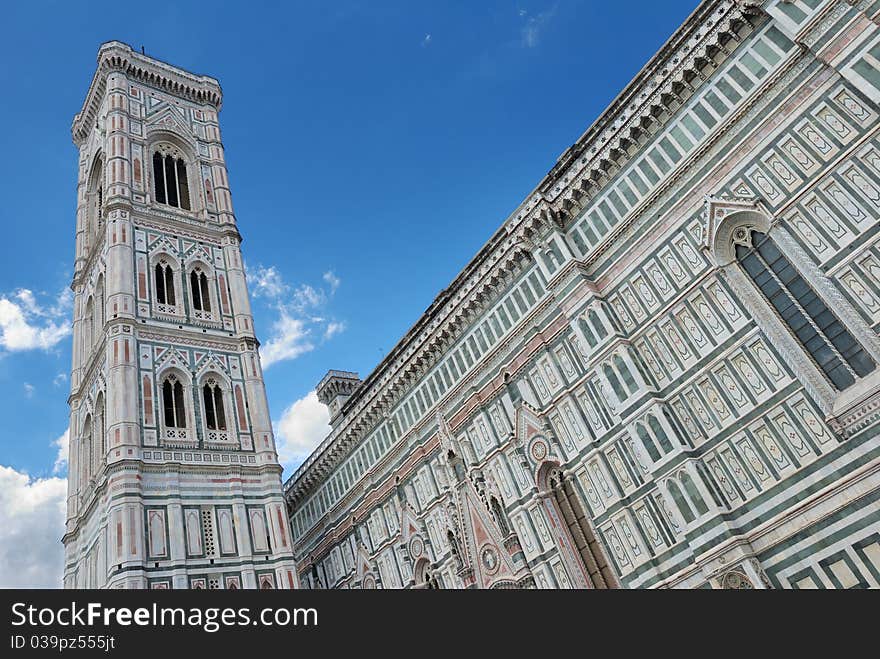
{"x": 174, "y": 481}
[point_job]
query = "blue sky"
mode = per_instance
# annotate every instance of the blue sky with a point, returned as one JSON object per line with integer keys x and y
{"x": 373, "y": 147}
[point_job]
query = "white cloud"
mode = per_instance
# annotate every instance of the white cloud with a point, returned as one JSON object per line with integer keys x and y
{"x": 305, "y": 297}
{"x": 301, "y": 428}
{"x": 32, "y": 512}
{"x": 330, "y": 276}
{"x": 25, "y": 324}
{"x": 300, "y": 313}
{"x": 289, "y": 339}
{"x": 333, "y": 328}
{"x": 59, "y": 379}
{"x": 29, "y": 390}
{"x": 426, "y": 41}
{"x": 62, "y": 444}
{"x": 266, "y": 282}
{"x": 531, "y": 31}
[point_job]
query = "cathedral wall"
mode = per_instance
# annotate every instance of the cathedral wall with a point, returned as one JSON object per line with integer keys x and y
{"x": 704, "y": 443}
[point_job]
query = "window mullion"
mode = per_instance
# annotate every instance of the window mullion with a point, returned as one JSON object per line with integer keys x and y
{"x": 165, "y": 177}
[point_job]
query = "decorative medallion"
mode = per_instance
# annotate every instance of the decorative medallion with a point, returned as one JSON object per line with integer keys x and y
{"x": 489, "y": 559}
{"x": 539, "y": 450}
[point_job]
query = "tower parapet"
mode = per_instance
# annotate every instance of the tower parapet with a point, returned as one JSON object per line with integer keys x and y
{"x": 335, "y": 389}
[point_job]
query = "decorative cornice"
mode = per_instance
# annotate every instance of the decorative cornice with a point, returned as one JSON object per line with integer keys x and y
{"x": 117, "y": 56}
{"x": 585, "y": 169}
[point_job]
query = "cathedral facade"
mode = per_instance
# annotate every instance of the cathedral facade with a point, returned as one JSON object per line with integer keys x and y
{"x": 173, "y": 477}
{"x": 662, "y": 369}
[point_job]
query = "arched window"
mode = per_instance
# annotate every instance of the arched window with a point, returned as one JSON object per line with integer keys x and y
{"x": 88, "y": 327}
{"x": 172, "y": 402}
{"x": 198, "y": 284}
{"x": 682, "y": 505}
{"x": 648, "y": 443}
{"x": 659, "y": 433}
{"x": 500, "y": 516}
{"x": 624, "y": 371}
{"x": 94, "y": 202}
{"x": 819, "y": 331}
{"x": 601, "y": 332}
{"x": 614, "y": 382}
{"x": 170, "y": 181}
{"x": 85, "y": 452}
{"x": 694, "y": 494}
{"x": 215, "y": 414}
{"x": 587, "y": 331}
{"x": 164, "y": 275}
{"x": 98, "y": 435}
{"x": 100, "y": 310}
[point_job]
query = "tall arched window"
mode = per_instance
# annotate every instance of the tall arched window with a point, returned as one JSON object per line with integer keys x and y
{"x": 95, "y": 202}
{"x": 170, "y": 181}
{"x": 601, "y": 332}
{"x": 830, "y": 345}
{"x": 624, "y": 371}
{"x": 694, "y": 494}
{"x": 648, "y": 443}
{"x": 172, "y": 402}
{"x": 88, "y": 327}
{"x": 98, "y": 435}
{"x": 215, "y": 414}
{"x": 614, "y": 382}
{"x": 85, "y": 452}
{"x": 164, "y": 275}
{"x": 587, "y": 331}
{"x": 680, "y": 502}
{"x": 100, "y": 307}
{"x": 201, "y": 296}
{"x": 500, "y": 516}
{"x": 659, "y": 433}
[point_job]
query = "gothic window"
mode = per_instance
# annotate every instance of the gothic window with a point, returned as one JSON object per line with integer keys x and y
{"x": 647, "y": 442}
{"x": 500, "y": 516}
{"x": 164, "y": 275}
{"x": 88, "y": 327}
{"x": 215, "y": 415}
{"x": 680, "y": 502}
{"x": 170, "y": 180}
{"x": 659, "y": 433}
{"x": 624, "y": 371}
{"x": 85, "y": 452}
{"x": 587, "y": 331}
{"x": 601, "y": 332}
{"x": 693, "y": 494}
{"x": 94, "y": 203}
{"x": 99, "y": 449}
{"x": 824, "y": 337}
{"x": 614, "y": 381}
{"x": 201, "y": 297}
{"x": 100, "y": 312}
{"x": 172, "y": 402}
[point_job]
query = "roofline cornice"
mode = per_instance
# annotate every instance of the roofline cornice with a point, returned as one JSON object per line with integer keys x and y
{"x": 118, "y": 56}
{"x": 582, "y": 172}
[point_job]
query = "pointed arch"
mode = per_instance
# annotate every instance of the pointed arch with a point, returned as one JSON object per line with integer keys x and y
{"x": 578, "y": 542}
{"x": 166, "y": 280}
{"x": 803, "y": 313}
{"x": 683, "y": 508}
